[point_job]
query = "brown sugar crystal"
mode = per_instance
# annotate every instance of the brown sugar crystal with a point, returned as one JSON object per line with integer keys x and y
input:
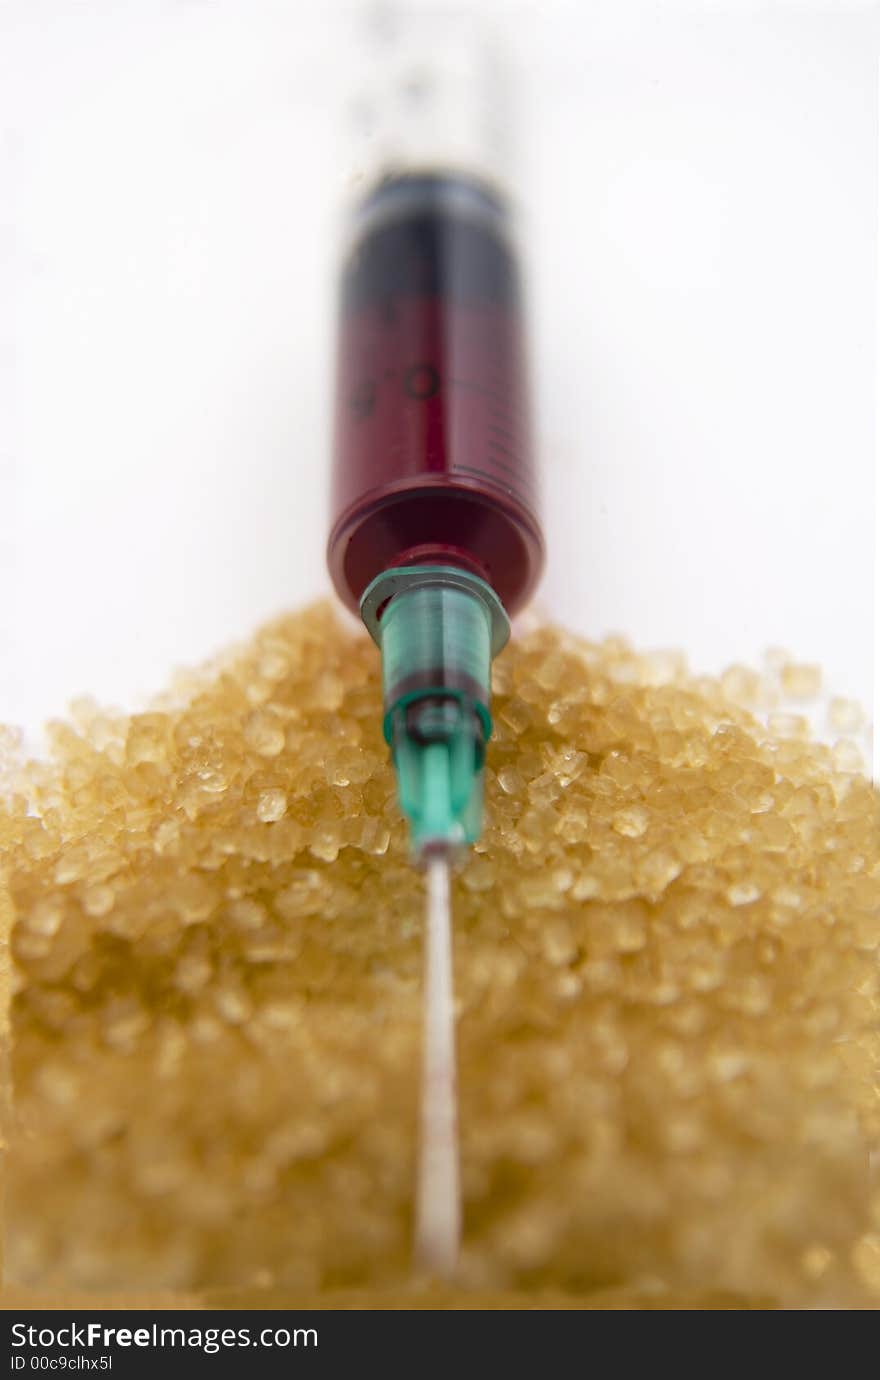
{"x": 666, "y": 967}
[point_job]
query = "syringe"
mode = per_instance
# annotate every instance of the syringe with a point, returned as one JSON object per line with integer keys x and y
{"x": 436, "y": 540}
{"x": 434, "y": 535}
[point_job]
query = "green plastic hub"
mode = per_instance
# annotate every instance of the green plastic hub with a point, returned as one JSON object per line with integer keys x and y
{"x": 437, "y": 628}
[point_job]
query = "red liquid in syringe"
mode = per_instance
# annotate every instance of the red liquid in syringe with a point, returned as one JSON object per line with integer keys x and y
{"x": 433, "y": 459}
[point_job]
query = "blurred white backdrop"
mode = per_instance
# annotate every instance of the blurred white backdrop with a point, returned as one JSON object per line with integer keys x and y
{"x": 700, "y": 184}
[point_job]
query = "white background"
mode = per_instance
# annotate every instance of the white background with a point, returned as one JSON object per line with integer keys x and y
{"x": 700, "y": 183}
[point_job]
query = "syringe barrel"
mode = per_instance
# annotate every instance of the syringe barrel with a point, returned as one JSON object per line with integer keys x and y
{"x": 433, "y": 460}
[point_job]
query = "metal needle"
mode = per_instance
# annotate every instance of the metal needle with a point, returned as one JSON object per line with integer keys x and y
{"x": 438, "y": 1194}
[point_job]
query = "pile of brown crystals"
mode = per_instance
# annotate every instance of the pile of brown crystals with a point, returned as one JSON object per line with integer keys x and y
{"x": 666, "y": 965}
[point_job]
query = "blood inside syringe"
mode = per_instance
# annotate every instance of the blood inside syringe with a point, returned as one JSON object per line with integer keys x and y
{"x": 433, "y": 453}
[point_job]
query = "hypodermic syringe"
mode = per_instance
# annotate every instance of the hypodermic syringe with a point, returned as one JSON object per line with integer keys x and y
{"x": 435, "y": 537}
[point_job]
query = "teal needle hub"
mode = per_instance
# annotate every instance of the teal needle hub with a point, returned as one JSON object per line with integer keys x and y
{"x": 437, "y": 628}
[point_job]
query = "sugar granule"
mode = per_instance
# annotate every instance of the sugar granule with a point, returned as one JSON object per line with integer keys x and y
{"x": 666, "y": 971}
